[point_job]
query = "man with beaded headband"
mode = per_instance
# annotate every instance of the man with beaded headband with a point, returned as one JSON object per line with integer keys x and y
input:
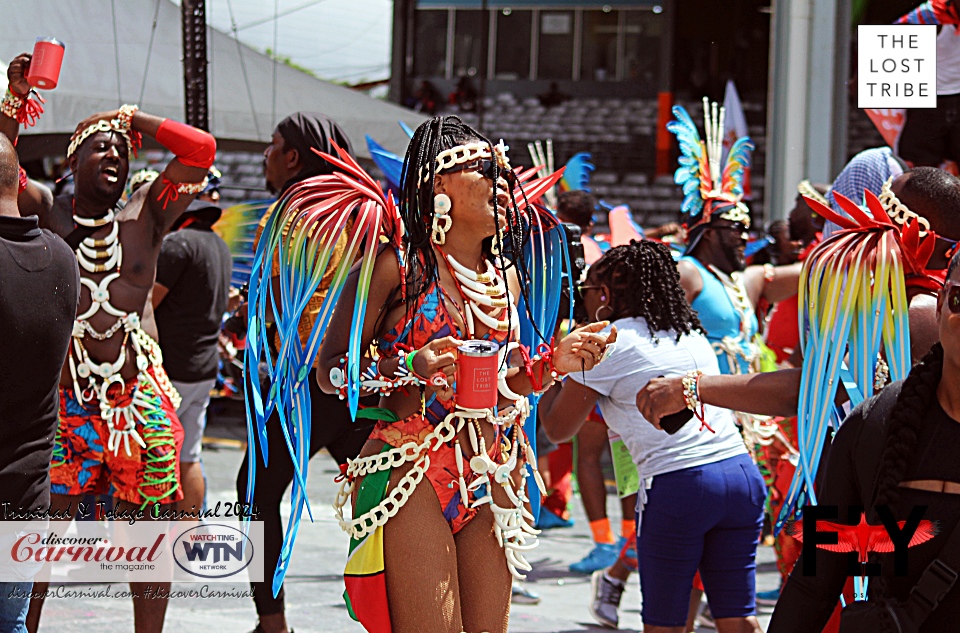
{"x": 441, "y": 515}
{"x": 118, "y": 430}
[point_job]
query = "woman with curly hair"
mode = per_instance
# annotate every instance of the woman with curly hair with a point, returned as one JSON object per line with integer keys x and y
{"x": 438, "y": 490}
{"x": 898, "y": 450}
{"x": 701, "y": 504}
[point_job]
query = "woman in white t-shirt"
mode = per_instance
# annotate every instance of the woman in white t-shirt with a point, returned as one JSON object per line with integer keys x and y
{"x": 702, "y": 503}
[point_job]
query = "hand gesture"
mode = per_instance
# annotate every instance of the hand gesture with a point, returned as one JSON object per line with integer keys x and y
{"x": 583, "y": 348}
{"x": 435, "y": 357}
{"x": 661, "y": 397}
{"x": 16, "y": 74}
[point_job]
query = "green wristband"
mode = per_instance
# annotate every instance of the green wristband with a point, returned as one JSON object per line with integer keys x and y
{"x": 408, "y": 361}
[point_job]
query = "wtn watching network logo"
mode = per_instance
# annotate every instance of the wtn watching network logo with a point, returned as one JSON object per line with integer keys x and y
{"x": 213, "y": 551}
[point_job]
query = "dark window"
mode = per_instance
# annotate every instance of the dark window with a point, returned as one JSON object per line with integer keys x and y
{"x": 513, "y": 44}
{"x": 641, "y": 51}
{"x": 599, "y": 51}
{"x": 468, "y": 46}
{"x": 555, "y": 57}
{"x": 430, "y": 58}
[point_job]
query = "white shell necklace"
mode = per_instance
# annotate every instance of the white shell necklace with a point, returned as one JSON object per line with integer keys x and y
{"x": 89, "y": 254}
{"x": 484, "y": 289}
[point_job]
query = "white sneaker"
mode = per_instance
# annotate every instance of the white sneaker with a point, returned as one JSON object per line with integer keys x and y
{"x": 606, "y": 594}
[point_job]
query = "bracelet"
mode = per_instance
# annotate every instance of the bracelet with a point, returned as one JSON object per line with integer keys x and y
{"x": 171, "y": 190}
{"x": 691, "y": 397}
{"x": 545, "y": 352}
{"x": 22, "y": 181}
{"x": 125, "y": 116}
{"x": 407, "y": 360}
{"x": 372, "y": 380}
{"x": 769, "y": 273}
{"x": 11, "y": 104}
{"x": 23, "y": 108}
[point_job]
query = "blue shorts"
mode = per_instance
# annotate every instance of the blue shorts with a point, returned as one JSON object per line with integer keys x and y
{"x": 707, "y": 518}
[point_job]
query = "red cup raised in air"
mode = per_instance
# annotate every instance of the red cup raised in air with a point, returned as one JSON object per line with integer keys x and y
{"x": 477, "y": 375}
{"x": 44, "y": 70}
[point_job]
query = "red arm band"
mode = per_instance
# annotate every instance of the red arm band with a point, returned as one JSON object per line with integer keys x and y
{"x": 192, "y": 147}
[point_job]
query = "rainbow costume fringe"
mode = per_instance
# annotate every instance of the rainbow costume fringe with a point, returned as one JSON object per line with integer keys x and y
{"x": 303, "y": 232}
{"x": 853, "y": 295}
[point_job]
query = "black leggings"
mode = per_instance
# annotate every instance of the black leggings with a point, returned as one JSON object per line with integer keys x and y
{"x": 331, "y": 428}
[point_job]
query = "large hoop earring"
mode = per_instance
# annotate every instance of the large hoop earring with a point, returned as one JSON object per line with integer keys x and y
{"x": 441, "y": 218}
{"x": 596, "y": 313}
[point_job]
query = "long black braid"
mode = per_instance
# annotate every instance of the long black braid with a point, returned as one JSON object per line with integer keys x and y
{"x": 903, "y": 428}
{"x": 416, "y": 208}
{"x": 644, "y": 281}
{"x": 907, "y": 416}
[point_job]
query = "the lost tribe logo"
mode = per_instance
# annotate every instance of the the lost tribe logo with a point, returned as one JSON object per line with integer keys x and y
{"x": 859, "y": 538}
{"x": 213, "y": 551}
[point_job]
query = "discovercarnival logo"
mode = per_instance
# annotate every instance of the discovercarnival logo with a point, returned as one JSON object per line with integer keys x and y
{"x": 213, "y": 551}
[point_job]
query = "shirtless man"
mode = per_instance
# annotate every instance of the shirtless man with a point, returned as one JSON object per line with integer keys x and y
{"x": 117, "y": 422}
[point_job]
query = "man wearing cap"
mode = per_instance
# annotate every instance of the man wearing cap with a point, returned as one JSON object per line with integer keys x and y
{"x": 189, "y": 300}
{"x": 290, "y": 159}
{"x": 117, "y": 426}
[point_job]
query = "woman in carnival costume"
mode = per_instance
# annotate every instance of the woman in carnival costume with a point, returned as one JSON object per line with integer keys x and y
{"x": 465, "y": 257}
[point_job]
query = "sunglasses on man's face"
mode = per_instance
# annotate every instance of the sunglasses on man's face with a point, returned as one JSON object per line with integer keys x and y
{"x": 485, "y": 167}
{"x": 952, "y": 303}
{"x": 739, "y": 227}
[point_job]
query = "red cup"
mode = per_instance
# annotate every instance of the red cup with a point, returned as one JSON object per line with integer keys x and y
{"x": 477, "y": 375}
{"x": 44, "y": 70}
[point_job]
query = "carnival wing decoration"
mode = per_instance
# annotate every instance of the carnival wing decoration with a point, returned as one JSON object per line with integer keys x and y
{"x": 705, "y": 182}
{"x": 237, "y": 227}
{"x": 547, "y": 258}
{"x": 576, "y": 173}
{"x": 389, "y": 163}
{"x": 693, "y": 174}
{"x": 738, "y": 160}
{"x": 342, "y": 213}
{"x": 853, "y": 297}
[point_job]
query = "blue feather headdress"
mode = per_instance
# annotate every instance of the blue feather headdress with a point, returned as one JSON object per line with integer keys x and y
{"x": 709, "y": 190}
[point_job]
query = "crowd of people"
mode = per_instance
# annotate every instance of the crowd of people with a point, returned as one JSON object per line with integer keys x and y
{"x": 415, "y": 335}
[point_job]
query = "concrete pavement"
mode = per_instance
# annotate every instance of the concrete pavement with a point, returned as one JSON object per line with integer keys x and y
{"x": 314, "y": 584}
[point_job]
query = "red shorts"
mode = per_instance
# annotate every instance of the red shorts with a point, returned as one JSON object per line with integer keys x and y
{"x": 83, "y": 464}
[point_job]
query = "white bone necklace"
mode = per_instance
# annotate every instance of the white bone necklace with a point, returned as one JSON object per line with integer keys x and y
{"x": 484, "y": 289}
{"x": 89, "y": 254}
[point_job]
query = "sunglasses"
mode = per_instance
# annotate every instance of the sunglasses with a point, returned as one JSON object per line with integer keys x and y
{"x": 952, "y": 289}
{"x": 485, "y": 167}
{"x": 582, "y": 288}
{"x": 739, "y": 227}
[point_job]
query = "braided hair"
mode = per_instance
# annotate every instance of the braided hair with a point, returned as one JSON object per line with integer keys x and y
{"x": 416, "y": 208}
{"x": 903, "y": 428}
{"x": 907, "y": 415}
{"x": 644, "y": 282}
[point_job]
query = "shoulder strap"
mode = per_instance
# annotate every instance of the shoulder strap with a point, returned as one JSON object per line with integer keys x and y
{"x": 937, "y": 579}
{"x": 941, "y": 574}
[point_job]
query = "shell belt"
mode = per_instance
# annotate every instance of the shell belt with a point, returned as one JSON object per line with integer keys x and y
{"x": 121, "y": 420}
{"x": 513, "y": 525}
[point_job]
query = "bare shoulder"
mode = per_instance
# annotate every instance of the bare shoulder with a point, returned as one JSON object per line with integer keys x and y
{"x": 690, "y": 279}
{"x": 135, "y": 209}
{"x": 386, "y": 269}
